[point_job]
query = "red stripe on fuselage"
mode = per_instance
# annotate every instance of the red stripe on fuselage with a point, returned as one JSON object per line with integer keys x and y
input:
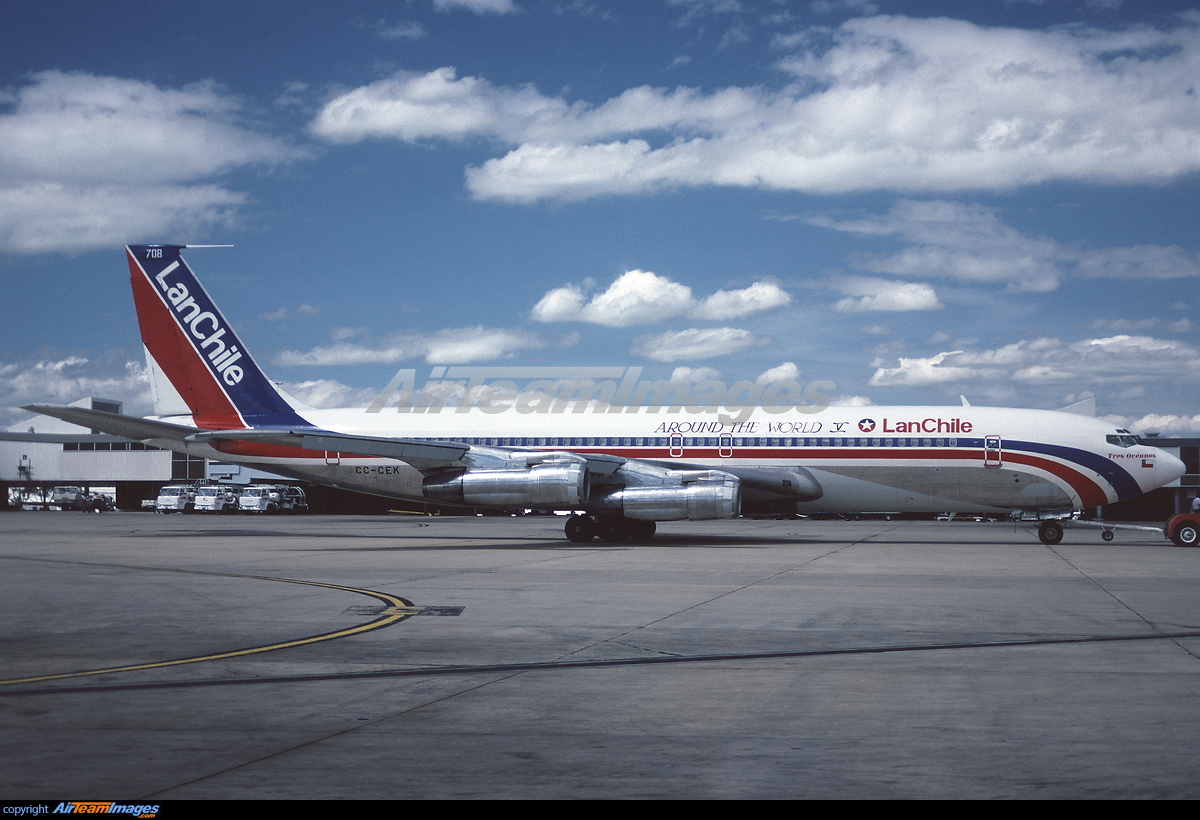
{"x": 174, "y": 353}
{"x": 1090, "y": 493}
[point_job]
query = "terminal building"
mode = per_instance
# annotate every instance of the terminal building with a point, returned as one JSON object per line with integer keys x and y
{"x": 39, "y": 454}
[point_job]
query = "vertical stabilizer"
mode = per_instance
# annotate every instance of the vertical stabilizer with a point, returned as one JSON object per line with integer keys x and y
{"x": 1085, "y": 407}
{"x": 167, "y": 401}
{"x": 192, "y": 346}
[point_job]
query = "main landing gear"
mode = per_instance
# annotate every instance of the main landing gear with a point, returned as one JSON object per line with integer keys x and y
{"x": 583, "y": 528}
{"x": 1051, "y": 532}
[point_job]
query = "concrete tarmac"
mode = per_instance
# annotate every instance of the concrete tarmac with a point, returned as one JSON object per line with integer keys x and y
{"x": 489, "y": 657}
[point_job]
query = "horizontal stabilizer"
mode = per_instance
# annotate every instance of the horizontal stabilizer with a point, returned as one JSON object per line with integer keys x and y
{"x": 114, "y": 423}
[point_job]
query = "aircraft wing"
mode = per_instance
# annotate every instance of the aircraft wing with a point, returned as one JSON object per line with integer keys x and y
{"x": 794, "y": 482}
{"x": 762, "y": 483}
{"x": 420, "y": 454}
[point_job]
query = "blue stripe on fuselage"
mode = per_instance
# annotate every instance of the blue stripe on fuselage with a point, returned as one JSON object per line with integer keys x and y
{"x": 1120, "y": 479}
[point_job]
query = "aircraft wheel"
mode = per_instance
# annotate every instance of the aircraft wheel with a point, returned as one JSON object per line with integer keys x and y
{"x": 1051, "y": 532}
{"x": 1186, "y": 535}
{"x": 580, "y": 529}
{"x": 1107, "y": 535}
{"x": 612, "y": 530}
{"x": 638, "y": 530}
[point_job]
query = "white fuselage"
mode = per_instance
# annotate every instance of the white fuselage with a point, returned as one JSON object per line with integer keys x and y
{"x": 927, "y": 459}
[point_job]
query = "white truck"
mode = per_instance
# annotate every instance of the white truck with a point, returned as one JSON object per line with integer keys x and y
{"x": 67, "y": 498}
{"x": 216, "y": 498}
{"x": 272, "y": 499}
{"x": 176, "y": 498}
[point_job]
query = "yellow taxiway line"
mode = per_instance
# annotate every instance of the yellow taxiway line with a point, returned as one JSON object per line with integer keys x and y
{"x": 398, "y": 609}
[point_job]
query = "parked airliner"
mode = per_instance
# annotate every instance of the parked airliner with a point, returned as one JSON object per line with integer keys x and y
{"x": 619, "y": 467}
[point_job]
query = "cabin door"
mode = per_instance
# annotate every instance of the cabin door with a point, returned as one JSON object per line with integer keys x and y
{"x": 676, "y": 446}
{"x": 993, "y": 453}
{"x": 726, "y": 446}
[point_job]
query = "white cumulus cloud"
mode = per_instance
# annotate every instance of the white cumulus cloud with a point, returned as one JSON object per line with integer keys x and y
{"x": 478, "y": 6}
{"x": 1117, "y": 361}
{"x": 954, "y": 240}
{"x": 971, "y": 244}
{"x": 1166, "y": 424}
{"x": 640, "y": 297}
{"x": 734, "y": 304}
{"x": 93, "y": 161}
{"x": 865, "y": 293}
{"x": 694, "y": 343}
{"x": 880, "y": 103}
{"x": 326, "y": 393}
{"x": 448, "y": 346}
{"x": 63, "y": 381}
{"x": 783, "y": 372}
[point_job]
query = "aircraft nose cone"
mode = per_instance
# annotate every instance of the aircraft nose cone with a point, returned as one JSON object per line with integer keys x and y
{"x": 1168, "y": 467}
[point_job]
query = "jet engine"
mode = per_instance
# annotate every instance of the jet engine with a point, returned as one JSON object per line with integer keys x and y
{"x": 549, "y": 486}
{"x": 701, "y": 495}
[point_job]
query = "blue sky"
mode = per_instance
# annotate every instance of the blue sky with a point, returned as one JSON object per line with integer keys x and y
{"x": 914, "y": 200}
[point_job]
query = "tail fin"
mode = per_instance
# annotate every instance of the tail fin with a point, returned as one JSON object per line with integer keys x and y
{"x": 190, "y": 343}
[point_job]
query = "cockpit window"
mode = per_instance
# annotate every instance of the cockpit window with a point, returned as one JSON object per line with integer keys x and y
{"x": 1123, "y": 438}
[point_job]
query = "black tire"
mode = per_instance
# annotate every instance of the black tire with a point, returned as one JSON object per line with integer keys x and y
{"x": 1107, "y": 535}
{"x": 638, "y": 530}
{"x": 1051, "y": 532}
{"x": 1186, "y": 535}
{"x": 612, "y": 530}
{"x": 580, "y": 529}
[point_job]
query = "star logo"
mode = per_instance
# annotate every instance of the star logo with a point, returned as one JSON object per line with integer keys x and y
{"x": 866, "y": 425}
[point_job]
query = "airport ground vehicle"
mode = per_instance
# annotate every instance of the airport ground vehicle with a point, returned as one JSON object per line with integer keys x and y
{"x": 68, "y": 498}
{"x": 614, "y": 458}
{"x": 1183, "y": 529}
{"x": 216, "y": 498}
{"x": 176, "y": 498}
{"x": 272, "y": 499}
{"x": 98, "y": 502}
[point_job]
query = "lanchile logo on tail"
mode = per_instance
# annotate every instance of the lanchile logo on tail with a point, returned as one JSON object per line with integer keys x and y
{"x": 177, "y": 316}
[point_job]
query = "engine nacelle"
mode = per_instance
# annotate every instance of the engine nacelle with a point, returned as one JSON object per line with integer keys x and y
{"x": 716, "y": 497}
{"x": 546, "y": 486}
